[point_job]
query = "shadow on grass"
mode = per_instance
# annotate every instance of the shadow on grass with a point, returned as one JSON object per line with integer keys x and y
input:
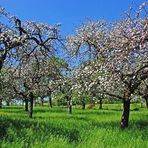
{"x": 17, "y": 124}
{"x": 142, "y": 124}
{"x": 45, "y": 128}
{"x": 35, "y": 110}
{"x": 135, "y": 109}
{"x": 19, "y": 111}
{"x": 140, "y": 127}
{"x": 111, "y": 109}
{"x": 64, "y": 118}
{"x": 12, "y": 107}
{"x": 93, "y": 112}
{"x": 119, "y": 109}
{"x": 51, "y": 110}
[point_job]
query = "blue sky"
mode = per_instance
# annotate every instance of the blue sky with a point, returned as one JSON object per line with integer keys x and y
{"x": 70, "y": 13}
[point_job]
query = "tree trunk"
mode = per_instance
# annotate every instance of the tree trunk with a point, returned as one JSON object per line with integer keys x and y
{"x": 146, "y": 99}
{"x": 100, "y": 103}
{"x": 0, "y": 102}
{"x": 1, "y": 64}
{"x": 83, "y": 104}
{"x": 26, "y": 104}
{"x": 8, "y": 103}
{"x": 125, "y": 115}
{"x": 42, "y": 101}
{"x": 49, "y": 95}
{"x": 58, "y": 102}
{"x": 31, "y": 105}
{"x": 70, "y": 106}
{"x": 50, "y": 101}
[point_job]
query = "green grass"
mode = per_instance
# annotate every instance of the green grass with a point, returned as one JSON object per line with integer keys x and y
{"x": 90, "y": 128}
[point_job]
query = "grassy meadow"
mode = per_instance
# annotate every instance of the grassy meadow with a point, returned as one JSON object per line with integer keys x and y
{"x": 89, "y": 128}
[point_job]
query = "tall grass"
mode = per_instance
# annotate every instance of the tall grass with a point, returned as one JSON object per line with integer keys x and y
{"x": 90, "y": 128}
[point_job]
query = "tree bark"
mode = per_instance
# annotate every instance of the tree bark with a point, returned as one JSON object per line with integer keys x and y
{"x": 1, "y": 64}
{"x": 31, "y": 105}
{"x": 125, "y": 115}
{"x": 49, "y": 95}
{"x": 100, "y": 103}
{"x": 83, "y": 104}
{"x": 26, "y": 104}
{"x": 0, "y": 102}
{"x": 42, "y": 101}
{"x": 50, "y": 102}
{"x": 146, "y": 100}
{"x": 8, "y": 103}
{"x": 70, "y": 106}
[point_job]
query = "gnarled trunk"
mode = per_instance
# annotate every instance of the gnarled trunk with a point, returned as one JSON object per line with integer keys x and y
{"x": 125, "y": 115}
{"x": 26, "y": 104}
{"x": 31, "y": 105}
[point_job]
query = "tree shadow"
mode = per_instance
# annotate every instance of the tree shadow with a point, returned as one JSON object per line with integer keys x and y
{"x": 93, "y": 112}
{"x": 112, "y": 109}
{"x": 12, "y": 107}
{"x": 52, "y": 110}
{"x": 17, "y": 124}
{"x": 135, "y": 109}
{"x": 19, "y": 112}
{"x": 142, "y": 124}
